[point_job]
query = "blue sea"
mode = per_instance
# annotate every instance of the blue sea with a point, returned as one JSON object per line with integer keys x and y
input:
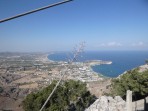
{"x": 121, "y": 60}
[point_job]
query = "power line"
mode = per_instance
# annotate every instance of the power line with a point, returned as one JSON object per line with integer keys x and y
{"x": 36, "y": 10}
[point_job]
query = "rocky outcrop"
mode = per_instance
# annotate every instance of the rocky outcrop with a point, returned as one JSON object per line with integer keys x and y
{"x": 143, "y": 68}
{"x": 107, "y": 103}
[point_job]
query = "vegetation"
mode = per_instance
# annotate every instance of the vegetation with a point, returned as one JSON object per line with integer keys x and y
{"x": 134, "y": 81}
{"x": 1, "y": 89}
{"x": 69, "y": 96}
{"x": 146, "y": 61}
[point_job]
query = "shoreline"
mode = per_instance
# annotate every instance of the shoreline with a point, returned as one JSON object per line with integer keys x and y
{"x": 45, "y": 58}
{"x": 92, "y": 63}
{"x": 98, "y": 73}
{"x": 89, "y": 63}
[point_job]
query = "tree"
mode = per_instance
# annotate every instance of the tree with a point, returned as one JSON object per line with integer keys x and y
{"x": 69, "y": 96}
{"x": 146, "y": 61}
{"x": 134, "y": 81}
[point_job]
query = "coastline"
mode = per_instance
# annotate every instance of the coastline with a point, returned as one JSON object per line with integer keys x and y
{"x": 48, "y": 58}
{"x": 92, "y": 63}
{"x": 98, "y": 62}
{"x": 121, "y": 62}
{"x": 45, "y": 58}
{"x": 99, "y": 74}
{"x": 89, "y": 63}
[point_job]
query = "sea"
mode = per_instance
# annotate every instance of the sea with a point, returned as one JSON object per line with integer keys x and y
{"x": 121, "y": 60}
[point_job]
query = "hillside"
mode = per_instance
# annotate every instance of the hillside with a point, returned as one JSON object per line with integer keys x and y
{"x": 135, "y": 80}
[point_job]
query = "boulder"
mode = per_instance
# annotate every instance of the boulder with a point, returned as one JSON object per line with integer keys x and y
{"x": 108, "y": 103}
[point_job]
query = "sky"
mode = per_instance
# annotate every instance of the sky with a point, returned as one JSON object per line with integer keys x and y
{"x": 102, "y": 24}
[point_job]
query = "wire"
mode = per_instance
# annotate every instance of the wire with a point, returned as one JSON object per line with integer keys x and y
{"x": 36, "y": 10}
{"x": 52, "y": 93}
{"x": 77, "y": 52}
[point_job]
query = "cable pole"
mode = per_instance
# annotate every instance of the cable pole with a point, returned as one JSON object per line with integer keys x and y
{"x": 36, "y": 10}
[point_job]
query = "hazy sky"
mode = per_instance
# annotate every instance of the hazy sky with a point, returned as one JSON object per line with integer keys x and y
{"x": 102, "y": 24}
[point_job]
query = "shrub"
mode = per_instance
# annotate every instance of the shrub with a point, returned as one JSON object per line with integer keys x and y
{"x": 69, "y": 96}
{"x": 133, "y": 80}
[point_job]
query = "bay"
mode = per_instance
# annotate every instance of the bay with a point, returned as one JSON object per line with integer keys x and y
{"x": 121, "y": 60}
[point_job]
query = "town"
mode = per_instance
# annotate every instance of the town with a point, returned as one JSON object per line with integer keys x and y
{"x": 23, "y": 73}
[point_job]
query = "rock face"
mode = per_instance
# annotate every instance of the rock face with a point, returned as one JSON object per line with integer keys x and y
{"x": 143, "y": 68}
{"x": 107, "y": 103}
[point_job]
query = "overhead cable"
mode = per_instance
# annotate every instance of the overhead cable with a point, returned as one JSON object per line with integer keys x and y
{"x": 36, "y": 10}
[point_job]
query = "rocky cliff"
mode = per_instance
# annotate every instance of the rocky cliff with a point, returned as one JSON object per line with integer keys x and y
{"x": 107, "y": 103}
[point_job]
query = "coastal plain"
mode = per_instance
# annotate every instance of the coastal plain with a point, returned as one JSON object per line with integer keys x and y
{"x": 23, "y": 73}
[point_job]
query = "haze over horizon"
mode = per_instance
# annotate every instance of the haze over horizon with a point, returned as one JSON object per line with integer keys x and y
{"x": 102, "y": 24}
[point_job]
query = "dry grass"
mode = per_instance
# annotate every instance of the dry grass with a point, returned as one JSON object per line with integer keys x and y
{"x": 29, "y": 86}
